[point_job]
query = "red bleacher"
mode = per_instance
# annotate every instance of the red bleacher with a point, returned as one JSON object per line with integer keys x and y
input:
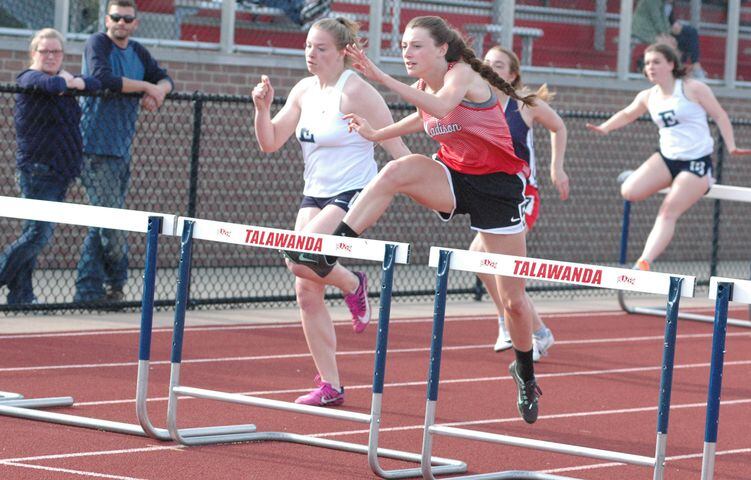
{"x": 564, "y": 44}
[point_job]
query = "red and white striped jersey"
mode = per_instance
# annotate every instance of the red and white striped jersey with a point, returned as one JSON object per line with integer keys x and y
{"x": 475, "y": 138}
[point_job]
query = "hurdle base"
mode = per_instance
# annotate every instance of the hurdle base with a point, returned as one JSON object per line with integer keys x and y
{"x": 27, "y": 408}
{"x": 660, "y": 312}
{"x": 439, "y": 466}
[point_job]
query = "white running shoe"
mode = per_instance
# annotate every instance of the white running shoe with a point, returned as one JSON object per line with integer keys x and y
{"x": 541, "y": 343}
{"x": 504, "y": 339}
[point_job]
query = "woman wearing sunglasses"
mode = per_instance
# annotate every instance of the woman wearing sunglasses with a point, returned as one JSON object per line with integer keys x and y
{"x": 48, "y": 154}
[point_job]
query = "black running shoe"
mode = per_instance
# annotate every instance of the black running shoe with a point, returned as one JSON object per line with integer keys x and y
{"x": 527, "y": 395}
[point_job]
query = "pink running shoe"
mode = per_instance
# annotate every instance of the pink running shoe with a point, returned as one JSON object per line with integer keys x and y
{"x": 323, "y": 396}
{"x": 358, "y": 304}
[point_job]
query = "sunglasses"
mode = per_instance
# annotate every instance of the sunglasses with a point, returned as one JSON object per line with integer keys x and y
{"x": 116, "y": 18}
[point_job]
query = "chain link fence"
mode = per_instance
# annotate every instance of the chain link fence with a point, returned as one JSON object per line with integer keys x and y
{"x": 197, "y": 156}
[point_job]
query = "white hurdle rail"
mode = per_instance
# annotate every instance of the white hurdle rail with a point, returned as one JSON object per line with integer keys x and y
{"x": 673, "y": 286}
{"x": 722, "y": 290}
{"x": 388, "y": 253}
{"x": 152, "y": 224}
{"x": 717, "y": 192}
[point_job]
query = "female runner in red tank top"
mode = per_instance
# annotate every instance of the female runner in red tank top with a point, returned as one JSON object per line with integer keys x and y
{"x": 475, "y": 170}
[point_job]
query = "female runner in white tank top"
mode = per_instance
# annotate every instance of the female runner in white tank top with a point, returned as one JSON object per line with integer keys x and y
{"x": 338, "y": 164}
{"x": 679, "y": 106}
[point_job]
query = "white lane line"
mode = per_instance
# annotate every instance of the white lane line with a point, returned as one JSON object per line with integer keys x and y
{"x": 675, "y": 458}
{"x": 421, "y": 383}
{"x": 72, "y": 472}
{"x": 251, "y": 358}
{"x": 342, "y": 323}
{"x": 57, "y": 456}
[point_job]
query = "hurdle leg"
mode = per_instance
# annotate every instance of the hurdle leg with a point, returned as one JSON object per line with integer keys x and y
{"x": 724, "y": 292}
{"x": 442, "y": 466}
{"x": 666, "y": 378}
{"x": 436, "y": 346}
{"x": 192, "y": 436}
{"x": 24, "y": 408}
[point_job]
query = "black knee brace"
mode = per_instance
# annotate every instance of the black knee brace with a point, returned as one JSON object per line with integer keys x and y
{"x": 313, "y": 261}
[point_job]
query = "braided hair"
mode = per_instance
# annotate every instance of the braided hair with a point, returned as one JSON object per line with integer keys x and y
{"x": 442, "y": 34}
{"x": 514, "y": 66}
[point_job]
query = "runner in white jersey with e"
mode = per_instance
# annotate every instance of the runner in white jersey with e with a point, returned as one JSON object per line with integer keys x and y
{"x": 679, "y": 106}
{"x": 338, "y": 164}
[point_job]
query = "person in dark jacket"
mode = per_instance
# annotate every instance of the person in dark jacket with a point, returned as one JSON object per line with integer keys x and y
{"x": 108, "y": 125}
{"x": 48, "y": 152}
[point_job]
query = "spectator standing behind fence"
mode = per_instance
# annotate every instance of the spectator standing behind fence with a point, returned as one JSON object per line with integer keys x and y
{"x": 683, "y": 162}
{"x": 654, "y": 22}
{"x": 520, "y": 119}
{"x": 48, "y": 152}
{"x": 687, "y": 41}
{"x": 338, "y": 164}
{"x": 108, "y": 125}
{"x": 302, "y": 12}
{"x": 475, "y": 171}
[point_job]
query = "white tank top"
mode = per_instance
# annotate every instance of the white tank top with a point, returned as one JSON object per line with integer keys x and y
{"x": 336, "y": 160}
{"x": 684, "y": 132}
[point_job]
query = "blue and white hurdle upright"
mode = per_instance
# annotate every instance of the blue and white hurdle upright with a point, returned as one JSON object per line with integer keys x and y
{"x": 262, "y": 237}
{"x": 153, "y": 225}
{"x": 722, "y": 290}
{"x": 673, "y": 286}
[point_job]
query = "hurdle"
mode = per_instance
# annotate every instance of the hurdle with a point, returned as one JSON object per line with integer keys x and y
{"x": 722, "y": 290}
{"x": 717, "y": 192}
{"x": 152, "y": 224}
{"x": 362, "y": 249}
{"x": 674, "y": 286}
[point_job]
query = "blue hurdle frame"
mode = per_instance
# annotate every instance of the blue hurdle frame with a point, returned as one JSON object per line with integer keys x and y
{"x": 714, "y": 392}
{"x": 438, "y": 465}
{"x": 658, "y": 462}
{"x": 622, "y": 259}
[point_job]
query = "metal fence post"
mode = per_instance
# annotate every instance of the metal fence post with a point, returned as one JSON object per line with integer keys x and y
{"x": 375, "y": 30}
{"x": 731, "y": 46}
{"x": 227, "y": 33}
{"x": 717, "y": 211}
{"x": 195, "y": 152}
{"x": 62, "y": 16}
{"x": 624, "y": 38}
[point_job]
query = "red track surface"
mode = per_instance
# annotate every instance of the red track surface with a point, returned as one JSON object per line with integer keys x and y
{"x": 600, "y": 387}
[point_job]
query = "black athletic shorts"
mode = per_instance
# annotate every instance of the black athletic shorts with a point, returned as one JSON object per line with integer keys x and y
{"x": 494, "y": 201}
{"x": 699, "y": 167}
{"x": 343, "y": 200}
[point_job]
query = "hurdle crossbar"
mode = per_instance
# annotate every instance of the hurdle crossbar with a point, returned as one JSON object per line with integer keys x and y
{"x": 723, "y": 290}
{"x": 150, "y": 223}
{"x": 716, "y": 192}
{"x": 673, "y": 286}
{"x": 386, "y": 252}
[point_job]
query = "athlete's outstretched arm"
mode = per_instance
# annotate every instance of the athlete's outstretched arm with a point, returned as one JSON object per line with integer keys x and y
{"x": 706, "y": 98}
{"x": 439, "y": 104}
{"x": 637, "y": 108}
{"x": 412, "y": 123}
{"x": 548, "y": 118}
{"x": 367, "y": 103}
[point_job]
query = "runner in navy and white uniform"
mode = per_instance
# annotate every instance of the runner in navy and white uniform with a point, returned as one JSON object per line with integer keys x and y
{"x": 475, "y": 170}
{"x": 520, "y": 119}
{"x": 679, "y": 106}
{"x": 338, "y": 164}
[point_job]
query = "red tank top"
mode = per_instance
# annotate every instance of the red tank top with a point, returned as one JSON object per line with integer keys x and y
{"x": 474, "y": 138}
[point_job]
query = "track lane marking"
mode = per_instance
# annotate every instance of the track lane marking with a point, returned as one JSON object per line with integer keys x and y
{"x": 286, "y": 356}
{"x": 338, "y": 323}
